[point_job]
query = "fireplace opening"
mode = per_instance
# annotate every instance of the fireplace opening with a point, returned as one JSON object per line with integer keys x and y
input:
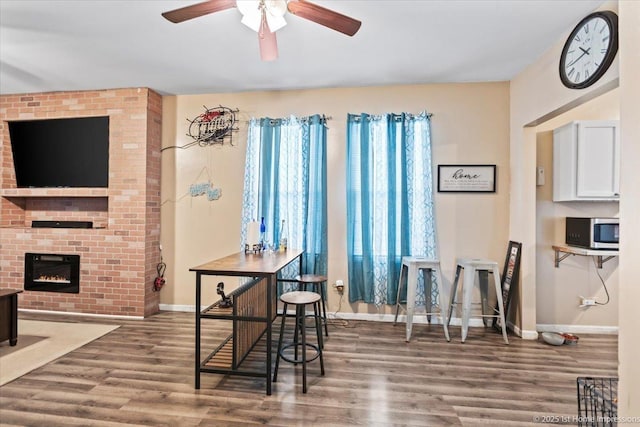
{"x": 52, "y": 273}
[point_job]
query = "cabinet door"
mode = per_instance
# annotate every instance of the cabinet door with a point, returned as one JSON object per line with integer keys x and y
{"x": 598, "y": 160}
{"x": 565, "y": 154}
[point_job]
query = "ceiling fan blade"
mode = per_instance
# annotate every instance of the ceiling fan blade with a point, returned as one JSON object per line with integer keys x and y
{"x": 199, "y": 9}
{"x": 328, "y": 18}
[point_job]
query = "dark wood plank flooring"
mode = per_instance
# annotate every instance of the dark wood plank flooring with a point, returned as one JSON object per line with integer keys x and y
{"x": 142, "y": 374}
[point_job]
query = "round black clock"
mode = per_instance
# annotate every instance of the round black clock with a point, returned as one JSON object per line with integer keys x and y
{"x": 589, "y": 50}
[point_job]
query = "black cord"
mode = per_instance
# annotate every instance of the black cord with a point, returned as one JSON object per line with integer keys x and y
{"x": 191, "y": 144}
{"x": 601, "y": 281}
{"x": 342, "y": 323}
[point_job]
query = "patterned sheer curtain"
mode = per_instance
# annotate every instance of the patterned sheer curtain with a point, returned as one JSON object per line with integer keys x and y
{"x": 286, "y": 179}
{"x": 389, "y": 202}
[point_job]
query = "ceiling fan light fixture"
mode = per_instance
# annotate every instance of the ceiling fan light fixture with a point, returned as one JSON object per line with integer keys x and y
{"x": 252, "y": 21}
{"x": 248, "y": 7}
{"x": 252, "y": 13}
{"x": 275, "y": 22}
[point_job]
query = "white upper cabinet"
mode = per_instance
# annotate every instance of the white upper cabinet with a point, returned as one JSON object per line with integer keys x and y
{"x": 586, "y": 161}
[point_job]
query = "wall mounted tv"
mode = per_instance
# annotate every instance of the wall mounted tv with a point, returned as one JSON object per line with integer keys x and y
{"x": 61, "y": 152}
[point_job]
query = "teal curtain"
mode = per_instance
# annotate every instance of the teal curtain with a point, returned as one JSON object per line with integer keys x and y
{"x": 389, "y": 202}
{"x": 286, "y": 179}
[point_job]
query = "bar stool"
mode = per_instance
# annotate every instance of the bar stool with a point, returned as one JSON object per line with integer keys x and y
{"x": 429, "y": 268}
{"x": 300, "y": 299}
{"x": 318, "y": 283}
{"x": 471, "y": 267}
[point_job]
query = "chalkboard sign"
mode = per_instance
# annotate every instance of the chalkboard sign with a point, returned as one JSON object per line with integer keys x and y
{"x": 509, "y": 277}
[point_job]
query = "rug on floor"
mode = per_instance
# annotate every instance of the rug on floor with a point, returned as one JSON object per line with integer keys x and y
{"x": 40, "y": 342}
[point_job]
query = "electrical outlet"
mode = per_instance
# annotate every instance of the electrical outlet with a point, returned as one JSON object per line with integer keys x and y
{"x": 339, "y": 285}
{"x": 587, "y": 302}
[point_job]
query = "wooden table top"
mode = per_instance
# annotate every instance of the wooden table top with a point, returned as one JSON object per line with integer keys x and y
{"x": 249, "y": 264}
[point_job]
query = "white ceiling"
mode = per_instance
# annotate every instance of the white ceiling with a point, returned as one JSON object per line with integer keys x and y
{"x": 57, "y": 45}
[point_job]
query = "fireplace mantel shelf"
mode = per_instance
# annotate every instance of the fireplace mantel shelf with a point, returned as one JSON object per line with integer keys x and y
{"x": 54, "y": 192}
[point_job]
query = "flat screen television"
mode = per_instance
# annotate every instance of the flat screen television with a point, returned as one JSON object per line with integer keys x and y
{"x": 61, "y": 152}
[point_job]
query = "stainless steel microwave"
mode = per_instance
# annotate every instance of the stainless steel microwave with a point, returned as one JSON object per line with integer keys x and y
{"x": 593, "y": 233}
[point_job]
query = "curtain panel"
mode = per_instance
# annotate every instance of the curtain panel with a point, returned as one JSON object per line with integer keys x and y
{"x": 390, "y": 211}
{"x": 286, "y": 179}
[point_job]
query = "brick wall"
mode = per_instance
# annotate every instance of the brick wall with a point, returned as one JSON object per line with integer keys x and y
{"x": 117, "y": 260}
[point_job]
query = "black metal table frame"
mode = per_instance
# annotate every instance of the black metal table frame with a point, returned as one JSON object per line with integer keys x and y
{"x": 272, "y": 281}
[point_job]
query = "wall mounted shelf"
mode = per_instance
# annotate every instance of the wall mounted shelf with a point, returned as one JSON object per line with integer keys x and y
{"x": 54, "y": 192}
{"x": 601, "y": 256}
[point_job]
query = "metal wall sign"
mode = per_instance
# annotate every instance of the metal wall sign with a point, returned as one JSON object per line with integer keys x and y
{"x": 213, "y": 126}
{"x": 200, "y": 189}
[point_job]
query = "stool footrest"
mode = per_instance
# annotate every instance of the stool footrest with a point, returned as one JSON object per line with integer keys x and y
{"x": 299, "y": 344}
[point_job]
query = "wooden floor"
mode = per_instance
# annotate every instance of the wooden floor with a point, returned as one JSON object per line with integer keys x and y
{"x": 142, "y": 374}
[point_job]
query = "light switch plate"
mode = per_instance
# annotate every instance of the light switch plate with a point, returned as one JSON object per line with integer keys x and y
{"x": 539, "y": 176}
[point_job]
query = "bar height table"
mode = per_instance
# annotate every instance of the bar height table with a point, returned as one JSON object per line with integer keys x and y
{"x": 263, "y": 266}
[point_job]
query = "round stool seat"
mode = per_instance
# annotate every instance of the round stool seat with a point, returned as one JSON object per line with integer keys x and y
{"x": 311, "y": 278}
{"x": 300, "y": 297}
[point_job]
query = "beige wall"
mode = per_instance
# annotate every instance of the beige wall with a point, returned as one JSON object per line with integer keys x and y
{"x": 470, "y": 125}
{"x": 536, "y": 93}
{"x": 558, "y": 290}
{"x": 629, "y": 346}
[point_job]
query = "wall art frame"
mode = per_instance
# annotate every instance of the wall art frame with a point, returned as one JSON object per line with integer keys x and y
{"x": 458, "y": 178}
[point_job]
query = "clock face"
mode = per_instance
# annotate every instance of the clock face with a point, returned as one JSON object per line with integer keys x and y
{"x": 589, "y": 50}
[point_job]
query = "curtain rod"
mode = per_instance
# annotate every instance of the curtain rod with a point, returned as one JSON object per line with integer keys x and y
{"x": 397, "y": 117}
{"x": 323, "y": 117}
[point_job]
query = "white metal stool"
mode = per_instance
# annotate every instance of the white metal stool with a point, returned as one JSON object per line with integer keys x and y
{"x": 471, "y": 267}
{"x": 429, "y": 268}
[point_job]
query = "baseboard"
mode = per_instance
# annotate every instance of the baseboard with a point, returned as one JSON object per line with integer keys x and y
{"x": 522, "y": 333}
{"x": 578, "y": 329}
{"x": 73, "y": 313}
{"x": 178, "y": 307}
{"x": 418, "y": 318}
{"x": 421, "y": 318}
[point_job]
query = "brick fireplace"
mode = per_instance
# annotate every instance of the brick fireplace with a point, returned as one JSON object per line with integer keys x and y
{"x": 119, "y": 253}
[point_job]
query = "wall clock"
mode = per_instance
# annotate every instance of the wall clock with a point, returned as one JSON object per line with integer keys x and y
{"x": 589, "y": 50}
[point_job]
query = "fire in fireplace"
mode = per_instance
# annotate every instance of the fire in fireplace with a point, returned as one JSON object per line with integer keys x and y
{"x": 52, "y": 273}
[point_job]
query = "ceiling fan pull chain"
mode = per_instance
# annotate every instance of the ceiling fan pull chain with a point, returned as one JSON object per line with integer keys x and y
{"x": 264, "y": 27}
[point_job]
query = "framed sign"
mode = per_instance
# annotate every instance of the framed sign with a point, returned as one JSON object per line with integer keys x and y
{"x": 466, "y": 178}
{"x": 509, "y": 277}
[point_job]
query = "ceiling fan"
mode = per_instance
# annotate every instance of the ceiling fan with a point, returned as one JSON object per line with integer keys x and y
{"x": 267, "y": 16}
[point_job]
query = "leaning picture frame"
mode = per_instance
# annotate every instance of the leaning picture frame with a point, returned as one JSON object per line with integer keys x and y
{"x": 509, "y": 280}
{"x": 466, "y": 178}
